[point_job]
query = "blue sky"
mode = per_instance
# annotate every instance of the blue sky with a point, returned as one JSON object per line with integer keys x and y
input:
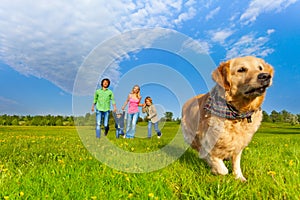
{"x": 51, "y": 53}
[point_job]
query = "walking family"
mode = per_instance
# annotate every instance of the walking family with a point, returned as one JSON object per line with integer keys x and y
{"x": 104, "y": 97}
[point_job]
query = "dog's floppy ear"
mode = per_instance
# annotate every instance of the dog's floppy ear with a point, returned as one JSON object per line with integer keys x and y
{"x": 221, "y": 75}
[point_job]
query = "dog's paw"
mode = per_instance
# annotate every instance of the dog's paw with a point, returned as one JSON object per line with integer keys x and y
{"x": 221, "y": 170}
{"x": 241, "y": 178}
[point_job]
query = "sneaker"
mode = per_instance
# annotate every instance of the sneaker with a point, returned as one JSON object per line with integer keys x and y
{"x": 159, "y": 135}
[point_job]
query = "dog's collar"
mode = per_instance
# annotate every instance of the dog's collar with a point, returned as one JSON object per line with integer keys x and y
{"x": 218, "y": 106}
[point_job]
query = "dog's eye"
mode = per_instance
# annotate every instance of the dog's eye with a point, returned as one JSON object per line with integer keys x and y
{"x": 260, "y": 68}
{"x": 242, "y": 69}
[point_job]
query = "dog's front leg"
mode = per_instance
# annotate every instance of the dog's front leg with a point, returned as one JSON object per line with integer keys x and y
{"x": 236, "y": 162}
{"x": 217, "y": 165}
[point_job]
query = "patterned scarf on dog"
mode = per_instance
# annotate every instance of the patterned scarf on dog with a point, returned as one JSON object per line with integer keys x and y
{"x": 218, "y": 106}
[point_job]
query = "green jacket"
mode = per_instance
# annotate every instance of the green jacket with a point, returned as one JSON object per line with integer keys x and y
{"x": 102, "y": 99}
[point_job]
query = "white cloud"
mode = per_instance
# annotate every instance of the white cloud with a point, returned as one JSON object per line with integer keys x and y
{"x": 186, "y": 16}
{"x": 212, "y": 13}
{"x": 50, "y": 39}
{"x": 220, "y": 35}
{"x": 257, "y": 7}
{"x": 270, "y": 31}
{"x": 249, "y": 45}
{"x": 198, "y": 46}
{"x": 104, "y": 59}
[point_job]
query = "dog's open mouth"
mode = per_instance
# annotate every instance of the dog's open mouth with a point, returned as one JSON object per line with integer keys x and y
{"x": 258, "y": 90}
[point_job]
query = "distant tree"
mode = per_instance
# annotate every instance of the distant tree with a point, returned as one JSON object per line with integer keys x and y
{"x": 36, "y": 120}
{"x": 178, "y": 120}
{"x": 15, "y": 122}
{"x": 58, "y": 122}
{"x": 285, "y": 116}
{"x": 294, "y": 120}
{"x": 79, "y": 121}
{"x": 275, "y": 116}
{"x": 266, "y": 117}
{"x": 69, "y": 121}
{"x": 43, "y": 122}
{"x": 168, "y": 116}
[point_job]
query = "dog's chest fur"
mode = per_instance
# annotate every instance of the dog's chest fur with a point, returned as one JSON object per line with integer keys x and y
{"x": 229, "y": 136}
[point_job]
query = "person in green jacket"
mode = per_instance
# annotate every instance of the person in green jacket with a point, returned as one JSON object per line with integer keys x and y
{"x": 102, "y": 99}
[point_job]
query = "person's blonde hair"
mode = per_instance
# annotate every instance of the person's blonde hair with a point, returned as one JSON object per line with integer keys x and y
{"x": 138, "y": 94}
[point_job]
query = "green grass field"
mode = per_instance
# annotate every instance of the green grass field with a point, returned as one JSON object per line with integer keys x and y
{"x": 52, "y": 163}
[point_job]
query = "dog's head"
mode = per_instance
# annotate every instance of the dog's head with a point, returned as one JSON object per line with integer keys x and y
{"x": 244, "y": 76}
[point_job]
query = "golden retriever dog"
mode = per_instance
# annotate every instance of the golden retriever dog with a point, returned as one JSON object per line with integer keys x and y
{"x": 221, "y": 123}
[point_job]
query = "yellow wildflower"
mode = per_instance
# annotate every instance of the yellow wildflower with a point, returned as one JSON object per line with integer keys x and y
{"x": 151, "y": 195}
{"x": 21, "y": 194}
{"x": 6, "y": 197}
{"x": 291, "y": 163}
{"x": 61, "y": 161}
{"x": 93, "y": 197}
{"x": 130, "y": 195}
{"x": 272, "y": 173}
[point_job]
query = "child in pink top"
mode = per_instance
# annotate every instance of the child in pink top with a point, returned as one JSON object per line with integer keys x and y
{"x": 133, "y": 99}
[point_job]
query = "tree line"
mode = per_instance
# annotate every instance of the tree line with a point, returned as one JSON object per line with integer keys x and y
{"x": 89, "y": 119}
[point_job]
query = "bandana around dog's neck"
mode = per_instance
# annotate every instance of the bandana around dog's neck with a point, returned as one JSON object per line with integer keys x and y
{"x": 218, "y": 106}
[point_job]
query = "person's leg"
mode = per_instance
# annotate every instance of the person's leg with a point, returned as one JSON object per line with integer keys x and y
{"x": 117, "y": 129}
{"x": 106, "y": 119}
{"x": 156, "y": 129}
{"x": 117, "y": 132}
{"x": 128, "y": 126}
{"x": 149, "y": 129}
{"x": 121, "y": 125}
{"x": 98, "y": 124}
{"x": 133, "y": 124}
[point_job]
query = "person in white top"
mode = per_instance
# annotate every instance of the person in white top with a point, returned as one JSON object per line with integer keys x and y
{"x": 152, "y": 117}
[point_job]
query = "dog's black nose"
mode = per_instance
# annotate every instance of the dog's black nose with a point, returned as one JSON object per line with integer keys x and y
{"x": 264, "y": 76}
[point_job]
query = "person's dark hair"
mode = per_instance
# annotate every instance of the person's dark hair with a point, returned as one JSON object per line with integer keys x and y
{"x": 105, "y": 79}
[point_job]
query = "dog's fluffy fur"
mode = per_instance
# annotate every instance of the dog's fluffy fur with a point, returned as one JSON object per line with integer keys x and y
{"x": 242, "y": 83}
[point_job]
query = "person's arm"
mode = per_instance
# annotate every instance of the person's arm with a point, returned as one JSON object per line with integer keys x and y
{"x": 144, "y": 109}
{"x": 127, "y": 100}
{"x": 95, "y": 101}
{"x": 93, "y": 107}
{"x": 152, "y": 112}
{"x": 113, "y": 102}
{"x": 141, "y": 104}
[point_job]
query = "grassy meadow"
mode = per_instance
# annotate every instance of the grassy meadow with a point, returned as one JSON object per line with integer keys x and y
{"x": 52, "y": 163}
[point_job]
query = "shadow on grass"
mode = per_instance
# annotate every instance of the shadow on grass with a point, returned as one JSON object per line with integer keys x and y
{"x": 189, "y": 159}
